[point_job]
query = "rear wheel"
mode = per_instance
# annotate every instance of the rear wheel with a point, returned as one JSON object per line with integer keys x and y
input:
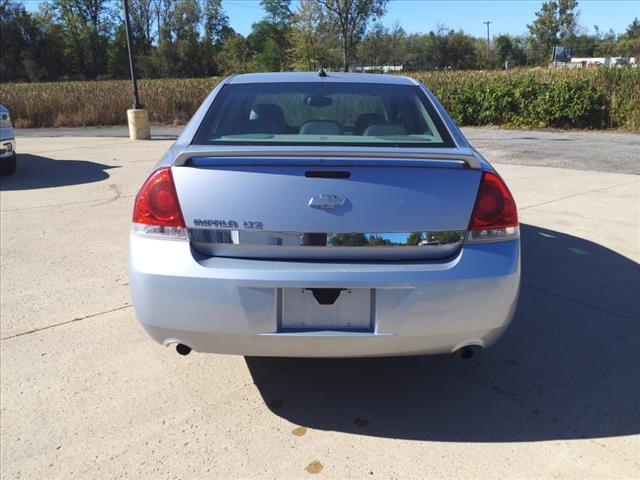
{"x": 8, "y": 165}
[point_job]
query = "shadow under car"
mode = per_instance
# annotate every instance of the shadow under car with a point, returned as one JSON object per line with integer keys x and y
{"x": 566, "y": 368}
{"x": 35, "y": 171}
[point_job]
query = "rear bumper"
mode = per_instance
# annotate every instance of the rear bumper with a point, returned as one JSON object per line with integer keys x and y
{"x": 226, "y": 305}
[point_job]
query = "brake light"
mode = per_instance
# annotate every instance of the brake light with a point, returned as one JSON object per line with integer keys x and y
{"x": 156, "y": 211}
{"x": 495, "y": 216}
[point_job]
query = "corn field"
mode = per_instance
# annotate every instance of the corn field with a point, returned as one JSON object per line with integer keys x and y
{"x": 603, "y": 98}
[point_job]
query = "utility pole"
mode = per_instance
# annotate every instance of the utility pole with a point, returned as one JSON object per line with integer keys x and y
{"x": 134, "y": 82}
{"x": 137, "y": 117}
{"x": 487, "y": 23}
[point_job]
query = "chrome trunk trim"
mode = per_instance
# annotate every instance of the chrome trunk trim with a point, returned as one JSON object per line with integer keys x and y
{"x": 319, "y": 245}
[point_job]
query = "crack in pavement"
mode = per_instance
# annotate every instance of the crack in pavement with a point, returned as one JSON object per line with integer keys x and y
{"x": 116, "y": 189}
{"x": 104, "y": 200}
{"x": 81, "y": 147}
{"x": 36, "y": 330}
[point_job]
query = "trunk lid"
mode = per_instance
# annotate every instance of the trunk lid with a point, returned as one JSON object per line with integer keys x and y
{"x": 295, "y": 207}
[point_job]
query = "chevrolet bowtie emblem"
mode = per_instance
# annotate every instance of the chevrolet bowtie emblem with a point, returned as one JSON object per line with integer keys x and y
{"x": 326, "y": 201}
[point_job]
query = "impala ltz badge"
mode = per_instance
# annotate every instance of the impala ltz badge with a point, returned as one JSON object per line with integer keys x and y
{"x": 228, "y": 224}
{"x": 326, "y": 201}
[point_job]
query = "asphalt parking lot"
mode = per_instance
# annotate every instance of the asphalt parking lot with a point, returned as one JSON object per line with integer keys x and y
{"x": 84, "y": 393}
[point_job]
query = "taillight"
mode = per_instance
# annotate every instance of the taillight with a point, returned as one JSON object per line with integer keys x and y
{"x": 495, "y": 216}
{"x": 156, "y": 211}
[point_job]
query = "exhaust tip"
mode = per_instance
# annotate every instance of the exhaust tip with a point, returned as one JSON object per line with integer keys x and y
{"x": 183, "y": 349}
{"x": 466, "y": 353}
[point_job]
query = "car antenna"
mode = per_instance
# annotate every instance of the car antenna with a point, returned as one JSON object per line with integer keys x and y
{"x": 322, "y": 73}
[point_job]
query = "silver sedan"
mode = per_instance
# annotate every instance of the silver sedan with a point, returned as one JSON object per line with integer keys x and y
{"x": 324, "y": 215}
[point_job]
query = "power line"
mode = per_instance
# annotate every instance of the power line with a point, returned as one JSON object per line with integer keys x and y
{"x": 241, "y": 3}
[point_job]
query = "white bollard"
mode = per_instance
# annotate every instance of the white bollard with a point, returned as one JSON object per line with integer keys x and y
{"x": 138, "y": 124}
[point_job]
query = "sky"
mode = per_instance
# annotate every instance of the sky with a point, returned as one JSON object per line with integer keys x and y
{"x": 508, "y": 16}
{"x": 421, "y": 16}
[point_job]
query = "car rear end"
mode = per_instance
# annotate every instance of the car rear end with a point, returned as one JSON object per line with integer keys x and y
{"x": 393, "y": 238}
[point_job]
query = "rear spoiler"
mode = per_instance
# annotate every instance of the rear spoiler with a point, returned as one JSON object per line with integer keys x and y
{"x": 208, "y": 156}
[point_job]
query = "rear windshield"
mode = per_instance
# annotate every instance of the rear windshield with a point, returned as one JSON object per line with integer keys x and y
{"x": 318, "y": 113}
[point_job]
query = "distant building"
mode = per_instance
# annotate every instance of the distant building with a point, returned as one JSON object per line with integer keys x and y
{"x": 376, "y": 68}
{"x": 600, "y": 61}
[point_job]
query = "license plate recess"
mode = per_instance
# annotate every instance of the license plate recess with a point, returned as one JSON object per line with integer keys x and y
{"x": 299, "y": 309}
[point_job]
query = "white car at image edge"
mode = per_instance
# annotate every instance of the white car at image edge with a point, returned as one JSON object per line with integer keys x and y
{"x": 8, "y": 157}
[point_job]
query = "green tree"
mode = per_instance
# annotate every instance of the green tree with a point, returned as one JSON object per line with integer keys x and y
{"x": 415, "y": 56}
{"x": 583, "y": 45}
{"x": 233, "y": 56}
{"x": 436, "y": 46}
{"x": 141, "y": 13}
{"x": 605, "y": 43}
{"x": 269, "y": 39}
{"x": 186, "y": 17}
{"x": 555, "y": 24}
{"x": 545, "y": 28}
{"x": 33, "y": 45}
{"x": 349, "y": 240}
{"x": 216, "y": 30}
{"x": 312, "y": 39}
{"x": 351, "y": 18}
{"x": 504, "y": 47}
{"x": 461, "y": 52}
{"x": 397, "y": 44}
{"x": 163, "y": 10}
{"x": 278, "y": 11}
{"x": 117, "y": 55}
{"x": 179, "y": 52}
{"x": 268, "y": 46}
{"x": 14, "y": 22}
{"x": 375, "y": 46}
{"x": 510, "y": 48}
{"x": 449, "y": 49}
{"x": 629, "y": 42}
{"x": 633, "y": 30}
{"x": 48, "y": 45}
{"x": 414, "y": 238}
{"x": 216, "y": 22}
{"x": 376, "y": 241}
{"x": 567, "y": 18}
{"x": 87, "y": 26}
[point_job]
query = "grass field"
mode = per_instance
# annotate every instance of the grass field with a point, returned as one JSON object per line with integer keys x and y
{"x": 603, "y": 98}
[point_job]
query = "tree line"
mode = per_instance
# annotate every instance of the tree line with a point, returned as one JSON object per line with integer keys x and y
{"x": 86, "y": 39}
